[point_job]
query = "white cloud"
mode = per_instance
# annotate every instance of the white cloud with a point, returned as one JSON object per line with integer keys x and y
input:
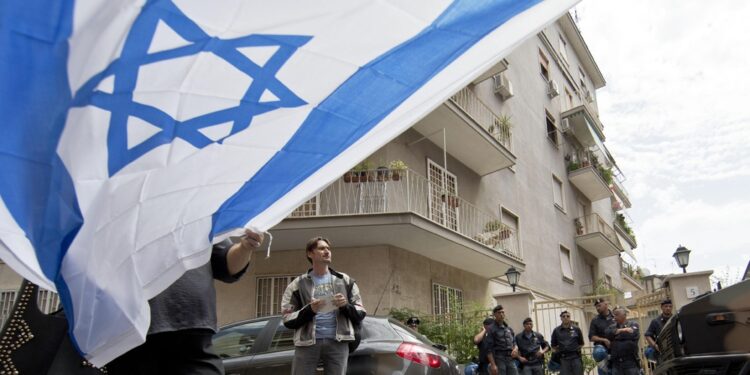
{"x": 676, "y": 115}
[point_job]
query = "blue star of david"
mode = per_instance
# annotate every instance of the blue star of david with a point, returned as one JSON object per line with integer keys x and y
{"x": 135, "y": 54}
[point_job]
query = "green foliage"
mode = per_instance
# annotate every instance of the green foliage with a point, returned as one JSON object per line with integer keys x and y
{"x": 573, "y": 165}
{"x": 492, "y": 225}
{"x": 365, "y": 165}
{"x": 455, "y": 331}
{"x": 588, "y": 363}
{"x": 606, "y": 174}
{"x": 397, "y": 165}
{"x": 601, "y": 287}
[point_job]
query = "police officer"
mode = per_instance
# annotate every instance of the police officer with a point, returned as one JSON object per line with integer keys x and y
{"x": 652, "y": 333}
{"x": 531, "y": 349}
{"x": 623, "y": 337}
{"x": 501, "y": 345}
{"x": 413, "y": 323}
{"x": 479, "y": 340}
{"x": 598, "y": 326}
{"x": 567, "y": 340}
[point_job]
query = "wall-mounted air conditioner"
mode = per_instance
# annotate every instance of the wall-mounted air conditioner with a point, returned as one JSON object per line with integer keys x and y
{"x": 552, "y": 89}
{"x": 503, "y": 86}
{"x": 565, "y": 125}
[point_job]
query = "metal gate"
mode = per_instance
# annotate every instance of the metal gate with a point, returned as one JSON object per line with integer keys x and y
{"x": 647, "y": 307}
{"x": 581, "y": 309}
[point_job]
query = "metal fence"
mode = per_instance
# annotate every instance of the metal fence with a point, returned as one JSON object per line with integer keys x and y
{"x": 386, "y": 191}
{"x": 593, "y": 223}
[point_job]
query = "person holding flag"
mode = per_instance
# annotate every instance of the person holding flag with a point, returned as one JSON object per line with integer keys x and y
{"x": 183, "y": 317}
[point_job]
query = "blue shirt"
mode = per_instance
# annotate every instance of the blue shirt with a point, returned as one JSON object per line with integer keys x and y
{"x": 325, "y": 323}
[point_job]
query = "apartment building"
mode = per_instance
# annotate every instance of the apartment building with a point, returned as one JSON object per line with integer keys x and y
{"x": 511, "y": 171}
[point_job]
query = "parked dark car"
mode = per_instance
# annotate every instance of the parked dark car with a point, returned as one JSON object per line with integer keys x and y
{"x": 710, "y": 335}
{"x": 265, "y": 346}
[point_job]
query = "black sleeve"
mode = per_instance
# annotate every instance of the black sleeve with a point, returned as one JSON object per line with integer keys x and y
{"x": 652, "y": 328}
{"x": 553, "y": 339}
{"x": 592, "y": 329}
{"x": 219, "y": 265}
{"x": 543, "y": 344}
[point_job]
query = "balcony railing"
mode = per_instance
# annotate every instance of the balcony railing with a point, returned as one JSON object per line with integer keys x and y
{"x": 593, "y": 223}
{"x": 387, "y": 191}
{"x": 588, "y": 158}
{"x": 498, "y": 127}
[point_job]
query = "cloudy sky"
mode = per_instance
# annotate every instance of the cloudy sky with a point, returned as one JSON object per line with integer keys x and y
{"x": 676, "y": 112}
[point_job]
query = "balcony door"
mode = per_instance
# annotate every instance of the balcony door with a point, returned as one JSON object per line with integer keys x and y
{"x": 443, "y": 195}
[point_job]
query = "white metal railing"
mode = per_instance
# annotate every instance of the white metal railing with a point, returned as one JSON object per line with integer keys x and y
{"x": 386, "y": 191}
{"x": 498, "y": 127}
{"x": 593, "y": 223}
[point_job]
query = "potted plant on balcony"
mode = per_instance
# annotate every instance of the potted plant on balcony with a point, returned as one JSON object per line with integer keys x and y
{"x": 397, "y": 167}
{"x": 573, "y": 165}
{"x": 360, "y": 173}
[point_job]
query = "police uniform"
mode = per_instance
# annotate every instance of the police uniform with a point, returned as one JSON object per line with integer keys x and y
{"x": 528, "y": 346}
{"x": 568, "y": 342}
{"x": 655, "y": 327}
{"x": 500, "y": 342}
{"x": 624, "y": 348}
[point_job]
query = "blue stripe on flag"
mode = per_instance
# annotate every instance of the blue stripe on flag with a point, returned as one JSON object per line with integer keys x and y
{"x": 34, "y": 100}
{"x": 363, "y": 101}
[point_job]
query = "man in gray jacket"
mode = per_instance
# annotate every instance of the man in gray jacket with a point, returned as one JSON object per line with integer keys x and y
{"x": 323, "y": 307}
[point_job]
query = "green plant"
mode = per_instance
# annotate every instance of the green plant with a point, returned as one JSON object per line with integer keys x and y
{"x": 492, "y": 225}
{"x": 573, "y": 165}
{"x": 606, "y": 174}
{"x": 364, "y": 166}
{"x": 397, "y": 165}
{"x": 588, "y": 363}
{"x": 602, "y": 287}
{"x": 455, "y": 330}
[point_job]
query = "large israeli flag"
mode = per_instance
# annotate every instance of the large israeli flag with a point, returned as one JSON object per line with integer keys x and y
{"x": 135, "y": 133}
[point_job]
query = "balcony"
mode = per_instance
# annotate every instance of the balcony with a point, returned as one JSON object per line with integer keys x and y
{"x": 403, "y": 209}
{"x": 583, "y": 125}
{"x": 596, "y": 236}
{"x": 589, "y": 178}
{"x": 619, "y": 189}
{"x": 623, "y": 229}
{"x": 476, "y": 136}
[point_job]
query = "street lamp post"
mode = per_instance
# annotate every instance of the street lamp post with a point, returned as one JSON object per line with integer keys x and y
{"x": 682, "y": 256}
{"x": 513, "y": 275}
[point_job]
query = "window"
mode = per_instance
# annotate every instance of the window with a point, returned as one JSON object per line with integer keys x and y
{"x": 446, "y": 300}
{"x": 544, "y": 65}
{"x": 563, "y": 48}
{"x": 238, "y": 340}
{"x": 510, "y": 241}
{"x": 47, "y": 301}
{"x": 282, "y": 340}
{"x": 568, "y": 99}
{"x": 582, "y": 81}
{"x": 551, "y": 128}
{"x": 444, "y": 202}
{"x": 557, "y": 193}
{"x": 565, "y": 264}
{"x": 270, "y": 291}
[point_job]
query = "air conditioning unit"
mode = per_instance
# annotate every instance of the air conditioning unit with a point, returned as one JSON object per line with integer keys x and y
{"x": 552, "y": 89}
{"x": 503, "y": 86}
{"x": 588, "y": 96}
{"x": 565, "y": 125}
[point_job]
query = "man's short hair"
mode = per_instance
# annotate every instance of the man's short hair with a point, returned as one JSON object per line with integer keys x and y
{"x": 666, "y": 302}
{"x": 497, "y": 308}
{"x": 412, "y": 321}
{"x": 564, "y": 313}
{"x": 527, "y": 320}
{"x": 620, "y": 309}
{"x": 312, "y": 244}
{"x": 598, "y": 301}
{"x": 488, "y": 321}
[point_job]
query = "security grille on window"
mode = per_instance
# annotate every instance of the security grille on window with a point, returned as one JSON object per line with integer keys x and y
{"x": 307, "y": 209}
{"x": 446, "y": 300}
{"x": 270, "y": 291}
{"x": 48, "y": 302}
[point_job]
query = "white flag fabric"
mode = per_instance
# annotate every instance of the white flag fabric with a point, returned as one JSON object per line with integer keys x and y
{"x": 137, "y": 132}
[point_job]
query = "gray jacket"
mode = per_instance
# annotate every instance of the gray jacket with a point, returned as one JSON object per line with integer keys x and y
{"x": 298, "y": 314}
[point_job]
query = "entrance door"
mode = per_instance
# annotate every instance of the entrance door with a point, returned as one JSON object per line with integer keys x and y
{"x": 443, "y": 195}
